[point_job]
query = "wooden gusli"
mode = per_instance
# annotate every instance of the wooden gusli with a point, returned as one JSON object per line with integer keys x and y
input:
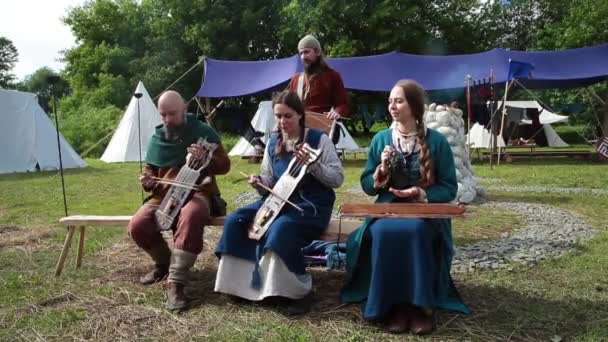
{"x": 412, "y": 210}
{"x": 183, "y": 185}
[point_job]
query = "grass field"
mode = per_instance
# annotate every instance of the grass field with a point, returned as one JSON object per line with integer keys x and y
{"x": 562, "y": 299}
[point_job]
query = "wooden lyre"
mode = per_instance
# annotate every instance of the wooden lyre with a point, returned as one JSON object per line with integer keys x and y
{"x": 281, "y": 192}
{"x": 182, "y": 186}
{"x": 322, "y": 122}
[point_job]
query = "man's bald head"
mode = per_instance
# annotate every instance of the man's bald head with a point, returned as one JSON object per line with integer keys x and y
{"x": 172, "y": 108}
{"x": 171, "y": 97}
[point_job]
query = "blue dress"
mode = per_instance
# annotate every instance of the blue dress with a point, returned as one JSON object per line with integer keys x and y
{"x": 404, "y": 260}
{"x": 292, "y": 230}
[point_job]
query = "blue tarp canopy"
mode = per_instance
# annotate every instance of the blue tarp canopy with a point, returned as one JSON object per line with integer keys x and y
{"x": 552, "y": 69}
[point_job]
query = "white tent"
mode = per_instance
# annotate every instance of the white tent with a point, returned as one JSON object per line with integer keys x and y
{"x": 29, "y": 138}
{"x": 346, "y": 141}
{"x": 553, "y": 138}
{"x": 124, "y": 145}
{"x": 546, "y": 118}
{"x": 480, "y": 136}
{"x": 263, "y": 121}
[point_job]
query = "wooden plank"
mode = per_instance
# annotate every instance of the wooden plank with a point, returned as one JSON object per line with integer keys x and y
{"x": 64, "y": 251}
{"x": 334, "y": 237}
{"x": 421, "y": 210}
{"x": 348, "y": 226}
{"x": 82, "y": 230}
{"x": 107, "y": 220}
{"x": 82, "y": 220}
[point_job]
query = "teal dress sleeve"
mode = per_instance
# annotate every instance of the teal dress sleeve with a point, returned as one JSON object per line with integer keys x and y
{"x": 373, "y": 160}
{"x": 445, "y": 187}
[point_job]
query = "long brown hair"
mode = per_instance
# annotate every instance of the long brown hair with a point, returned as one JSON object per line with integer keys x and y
{"x": 322, "y": 61}
{"x": 291, "y": 100}
{"x": 416, "y": 97}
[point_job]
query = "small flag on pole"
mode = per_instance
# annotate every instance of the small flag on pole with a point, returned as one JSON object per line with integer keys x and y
{"x": 519, "y": 69}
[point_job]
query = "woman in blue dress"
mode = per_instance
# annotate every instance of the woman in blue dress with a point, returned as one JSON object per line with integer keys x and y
{"x": 399, "y": 268}
{"x": 274, "y": 265}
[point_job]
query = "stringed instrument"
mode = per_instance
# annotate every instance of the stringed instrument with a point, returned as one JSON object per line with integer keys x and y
{"x": 282, "y": 190}
{"x": 183, "y": 185}
{"x": 411, "y": 210}
{"x": 322, "y": 122}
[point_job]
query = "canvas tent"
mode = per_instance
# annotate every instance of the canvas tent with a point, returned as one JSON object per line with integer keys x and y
{"x": 346, "y": 141}
{"x": 124, "y": 146}
{"x": 480, "y": 137}
{"x": 518, "y": 123}
{"x": 263, "y": 121}
{"x": 29, "y": 138}
{"x": 545, "y": 116}
{"x": 552, "y": 69}
{"x": 523, "y": 124}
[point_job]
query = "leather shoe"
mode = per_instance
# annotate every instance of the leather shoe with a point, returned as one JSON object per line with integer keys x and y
{"x": 399, "y": 320}
{"x": 157, "y": 274}
{"x": 176, "y": 298}
{"x": 300, "y": 306}
{"x": 238, "y": 300}
{"x": 422, "y": 323}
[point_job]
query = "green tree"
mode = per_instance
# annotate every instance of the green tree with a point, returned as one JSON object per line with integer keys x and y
{"x": 520, "y": 20}
{"x": 38, "y": 83}
{"x": 354, "y": 28}
{"x": 363, "y": 27}
{"x": 120, "y": 42}
{"x": 8, "y": 58}
{"x": 585, "y": 24}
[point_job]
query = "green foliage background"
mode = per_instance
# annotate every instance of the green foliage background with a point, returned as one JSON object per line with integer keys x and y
{"x": 120, "y": 42}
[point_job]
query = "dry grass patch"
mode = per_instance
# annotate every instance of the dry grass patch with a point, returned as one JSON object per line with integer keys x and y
{"x": 11, "y": 236}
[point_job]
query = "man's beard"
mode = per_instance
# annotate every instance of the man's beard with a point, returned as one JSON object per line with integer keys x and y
{"x": 313, "y": 67}
{"x": 173, "y": 133}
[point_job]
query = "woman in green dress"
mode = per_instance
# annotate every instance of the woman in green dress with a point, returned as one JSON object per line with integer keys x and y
{"x": 399, "y": 268}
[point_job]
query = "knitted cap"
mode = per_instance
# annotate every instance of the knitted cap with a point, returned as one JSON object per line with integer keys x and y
{"x": 309, "y": 42}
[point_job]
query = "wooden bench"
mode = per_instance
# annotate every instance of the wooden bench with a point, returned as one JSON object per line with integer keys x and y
{"x": 337, "y": 229}
{"x": 515, "y": 154}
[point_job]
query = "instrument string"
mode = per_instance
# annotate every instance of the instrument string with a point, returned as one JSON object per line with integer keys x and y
{"x": 176, "y": 183}
{"x": 297, "y": 166}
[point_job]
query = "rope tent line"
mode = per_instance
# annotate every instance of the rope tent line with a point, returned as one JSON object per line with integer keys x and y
{"x": 113, "y": 130}
{"x": 202, "y": 59}
{"x": 83, "y": 154}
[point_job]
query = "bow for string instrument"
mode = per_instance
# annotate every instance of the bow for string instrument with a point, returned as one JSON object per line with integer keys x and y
{"x": 281, "y": 192}
{"x": 183, "y": 185}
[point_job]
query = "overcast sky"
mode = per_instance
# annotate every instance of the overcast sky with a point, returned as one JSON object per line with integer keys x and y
{"x": 36, "y": 30}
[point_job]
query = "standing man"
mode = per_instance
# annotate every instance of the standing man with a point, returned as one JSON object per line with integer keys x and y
{"x": 320, "y": 87}
{"x": 166, "y": 154}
